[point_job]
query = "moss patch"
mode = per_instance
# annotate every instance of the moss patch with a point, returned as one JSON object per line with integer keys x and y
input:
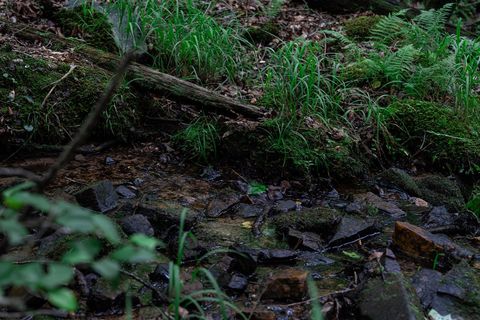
{"x": 318, "y": 220}
{"x": 439, "y": 190}
{"x": 359, "y": 28}
{"x": 26, "y": 81}
{"x": 401, "y": 179}
{"x": 449, "y": 140}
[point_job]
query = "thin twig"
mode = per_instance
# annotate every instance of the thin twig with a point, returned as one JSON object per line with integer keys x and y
{"x": 55, "y": 84}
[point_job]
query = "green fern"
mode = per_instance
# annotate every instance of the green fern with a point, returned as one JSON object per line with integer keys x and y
{"x": 399, "y": 65}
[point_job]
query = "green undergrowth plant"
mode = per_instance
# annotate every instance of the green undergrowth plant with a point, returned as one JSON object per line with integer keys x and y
{"x": 194, "y": 303}
{"x": 181, "y": 38}
{"x": 98, "y": 245}
{"x": 200, "y": 139}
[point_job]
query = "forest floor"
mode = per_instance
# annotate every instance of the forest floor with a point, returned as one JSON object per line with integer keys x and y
{"x": 274, "y": 205}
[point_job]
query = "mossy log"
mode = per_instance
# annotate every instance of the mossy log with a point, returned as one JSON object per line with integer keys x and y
{"x": 144, "y": 76}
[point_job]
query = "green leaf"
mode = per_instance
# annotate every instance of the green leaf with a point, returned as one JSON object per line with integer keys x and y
{"x": 7, "y": 271}
{"x": 20, "y": 199}
{"x": 107, "y": 268}
{"x": 83, "y": 251}
{"x": 20, "y": 187}
{"x": 106, "y": 228}
{"x": 144, "y": 241}
{"x": 474, "y": 205}
{"x": 132, "y": 254}
{"x": 57, "y": 275}
{"x": 255, "y": 188}
{"x": 63, "y": 298}
{"x": 28, "y": 274}
{"x": 352, "y": 255}
{"x": 14, "y": 230}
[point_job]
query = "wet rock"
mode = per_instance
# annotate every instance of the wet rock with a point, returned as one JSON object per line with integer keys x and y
{"x": 349, "y": 229}
{"x": 318, "y": 220}
{"x": 210, "y": 174}
{"x": 390, "y": 208}
{"x": 390, "y": 299}
{"x": 137, "y": 224}
{"x": 245, "y": 260}
{"x": 304, "y": 240}
{"x": 138, "y": 182}
{"x": 333, "y": 195}
{"x": 288, "y": 284}
{"x": 104, "y": 297}
{"x": 276, "y": 256}
{"x": 426, "y": 282}
{"x": 125, "y": 192}
{"x": 284, "y": 206}
{"x": 399, "y": 178}
{"x": 109, "y": 161}
{"x": 241, "y": 186}
{"x": 221, "y": 204}
{"x": 355, "y": 207}
{"x": 314, "y": 259}
{"x": 439, "y": 190}
{"x": 238, "y": 282}
{"x": 457, "y": 293}
{"x": 390, "y": 262}
{"x": 165, "y": 217}
{"x": 439, "y": 217}
{"x": 275, "y": 193}
{"x": 161, "y": 273}
{"x": 248, "y": 210}
{"x": 100, "y": 196}
{"x": 423, "y": 245}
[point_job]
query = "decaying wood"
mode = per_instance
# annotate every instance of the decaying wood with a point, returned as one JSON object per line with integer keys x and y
{"x": 146, "y": 77}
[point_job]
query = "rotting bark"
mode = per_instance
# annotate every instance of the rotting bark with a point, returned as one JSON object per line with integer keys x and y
{"x": 144, "y": 76}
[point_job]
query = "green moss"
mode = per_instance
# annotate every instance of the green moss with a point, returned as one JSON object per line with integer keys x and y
{"x": 26, "y": 81}
{"x": 88, "y": 24}
{"x": 263, "y": 34}
{"x": 439, "y": 190}
{"x": 319, "y": 220}
{"x": 402, "y": 180}
{"x": 359, "y": 27}
{"x": 449, "y": 139}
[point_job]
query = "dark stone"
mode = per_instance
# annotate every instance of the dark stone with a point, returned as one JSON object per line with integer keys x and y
{"x": 138, "y": 182}
{"x": 248, "y": 210}
{"x": 458, "y": 293}
{"x": 351, "y": 229}
{"x": 109, "y": 161}
{"x": 399, "y": 178}
{"x": 284, "y": 206}
{"x": 161, "y": 273}
{"x": 276, "y": 256}
{"x": 390, "y": 262}
{"x": 210, "y": 174}
{"x": 100, "y": 196}
{"x": 165, "y": 218}
{"x": 439, "y": 217}
{"x": 355, "y": 207}
{"x": 137, "y": 224}
{"x": 241, "y": 186}
{"x": 389, "y": 299}
{"x": 275, "y": 193}
{"x": 333, "y": 195}
{"x": 245, "y": 260}
{"x": 314, "y": 259}
{"x": 426, "y": 282}
{"x": 238, "y": 282}
{"x": 221, "y": 204}
{"x": 125, "y": 192}
{"x": 319, "y": 220}
{"x": 388, "y": 207}
{"x": 304, "y": 240}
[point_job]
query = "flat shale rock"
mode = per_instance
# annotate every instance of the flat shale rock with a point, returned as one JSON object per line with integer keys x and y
{"x": 286, "y": 285}
{"x": 419, "y": 243}
{"x": 100, "y": 197}
{"x": 455, "y": 294}
{"x": 137, "y": 224}
{"x": 350, "y": 229}
{"x": 390, "y": 299}
{"x": 390, "y": 208}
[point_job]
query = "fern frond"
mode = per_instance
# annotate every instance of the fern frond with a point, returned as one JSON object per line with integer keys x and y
{"x": 398, "y": 65}
{"x": 389, "y": 29}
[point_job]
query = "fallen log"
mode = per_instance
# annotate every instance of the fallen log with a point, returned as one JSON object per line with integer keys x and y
{"x": 142, "y": 75}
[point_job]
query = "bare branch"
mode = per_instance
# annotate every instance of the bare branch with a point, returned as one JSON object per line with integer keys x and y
{"x": 21, "y": 173}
